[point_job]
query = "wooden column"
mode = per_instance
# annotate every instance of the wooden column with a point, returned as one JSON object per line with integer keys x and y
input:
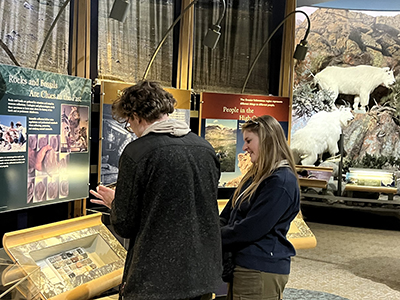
{"x": 80, "y": 49}
{"x": 79, "y": 66}
{"x": 287, "y": 61}
{"x": 185, "y": 48}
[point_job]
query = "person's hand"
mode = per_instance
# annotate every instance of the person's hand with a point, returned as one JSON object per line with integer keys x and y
{"x": 104, "y": 194}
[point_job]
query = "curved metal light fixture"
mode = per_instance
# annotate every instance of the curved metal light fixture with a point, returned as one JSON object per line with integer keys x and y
{"x": 211, "y": 39}
{"x": 9, "y": 53}
{"x": 301, "y": 48}
{"x": 49, "y": 32}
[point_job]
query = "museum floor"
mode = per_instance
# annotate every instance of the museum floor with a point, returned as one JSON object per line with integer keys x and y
{"x": 357, "y": 258}
{"x": 349, "y": 262}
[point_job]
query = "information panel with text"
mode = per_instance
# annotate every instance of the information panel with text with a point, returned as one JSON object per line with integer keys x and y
{"x": 44, "y": 137}
{"x": 221, "y": 116}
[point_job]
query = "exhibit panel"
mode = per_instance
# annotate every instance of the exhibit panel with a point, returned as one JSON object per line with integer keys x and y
{"x": 221, "y": 116}
{"x": 310, "y": 176}
{"x": 78, "y": 258}
{"x": 44, "y": 137}
{"x": 300, "y": 235}
{"x": 114, "y": 137}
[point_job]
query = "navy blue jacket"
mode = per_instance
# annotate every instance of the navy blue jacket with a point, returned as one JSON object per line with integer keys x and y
{"x": 255, "y": 232}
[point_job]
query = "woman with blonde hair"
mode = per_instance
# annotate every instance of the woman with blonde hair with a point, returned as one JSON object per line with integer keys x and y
{"x": 258, "y": 215}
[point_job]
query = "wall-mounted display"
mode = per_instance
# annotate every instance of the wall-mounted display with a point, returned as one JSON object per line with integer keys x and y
{"x": 221, "y": 116}
{"x": 115, "y": 137}
{"x": 44, "y": 137}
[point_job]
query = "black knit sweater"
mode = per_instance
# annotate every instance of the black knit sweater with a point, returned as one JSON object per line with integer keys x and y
{"x": 166, "y": 204}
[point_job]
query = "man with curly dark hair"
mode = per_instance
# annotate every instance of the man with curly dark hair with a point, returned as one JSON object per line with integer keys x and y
{"x": 165, "y": 201}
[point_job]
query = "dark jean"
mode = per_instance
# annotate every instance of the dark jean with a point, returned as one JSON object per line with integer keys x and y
{"x": 203, "y": 297}
{"x": 256, "y": 285}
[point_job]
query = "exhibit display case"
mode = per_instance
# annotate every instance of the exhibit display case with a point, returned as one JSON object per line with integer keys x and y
{"x": 370, "y": 180}
{"x": 370, "y": 177}
{"x": 73, "y": 259}
{"x": 310, "y": 176}
{"x": 15, "y": 282}
{"x": 299, "y": 234}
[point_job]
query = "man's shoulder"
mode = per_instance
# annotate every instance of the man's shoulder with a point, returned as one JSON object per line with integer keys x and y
{"x": 155, "y": 141}
{"x": 197, "y": 139}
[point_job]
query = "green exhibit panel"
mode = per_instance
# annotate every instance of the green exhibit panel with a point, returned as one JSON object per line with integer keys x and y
{"x": 44, "y": 137}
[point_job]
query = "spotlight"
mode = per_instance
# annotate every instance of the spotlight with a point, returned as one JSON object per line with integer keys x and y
{"x": 212, "y": 36}
{"x": 301, "y": 50}
{"x": 119, "y": 10}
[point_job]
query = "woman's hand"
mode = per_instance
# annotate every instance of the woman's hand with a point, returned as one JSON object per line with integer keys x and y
{"x": 104, "y": 194}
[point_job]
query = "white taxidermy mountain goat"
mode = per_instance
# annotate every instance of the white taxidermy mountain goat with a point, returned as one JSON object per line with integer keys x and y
{"x": 360, "y": 81}
{"x": 321, "y": 134}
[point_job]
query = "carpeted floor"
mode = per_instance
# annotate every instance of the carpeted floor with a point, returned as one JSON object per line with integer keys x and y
{"x": 348, "y": 263}
{"x": 352, "y": 261}
{"x": 295, "y": 294}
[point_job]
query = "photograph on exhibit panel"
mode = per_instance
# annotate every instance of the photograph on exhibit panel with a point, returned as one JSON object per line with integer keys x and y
{"x": 46, "y": 165}
{"x": 115, "y": 139}
{"x": 74, "y": 128}
{"x": 12, "y": 133}
{"x": 221, "y": 134}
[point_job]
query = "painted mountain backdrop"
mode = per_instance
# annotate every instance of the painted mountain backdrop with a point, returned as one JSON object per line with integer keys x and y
{"x": 349, "y": 38}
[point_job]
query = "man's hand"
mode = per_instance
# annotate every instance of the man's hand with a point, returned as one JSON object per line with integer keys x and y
{"x": 104, "y": 194}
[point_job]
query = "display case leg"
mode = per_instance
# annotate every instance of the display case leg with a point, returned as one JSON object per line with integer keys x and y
{"x": 77, "y": 208}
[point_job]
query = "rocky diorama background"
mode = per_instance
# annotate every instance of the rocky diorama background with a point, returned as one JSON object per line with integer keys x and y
{"x": 349, "y": 38}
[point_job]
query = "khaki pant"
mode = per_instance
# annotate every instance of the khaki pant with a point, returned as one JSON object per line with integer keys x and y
{"x": 256, "y": 285}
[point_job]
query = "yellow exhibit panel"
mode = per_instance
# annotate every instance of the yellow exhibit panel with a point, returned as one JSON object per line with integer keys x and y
{"x": 73, "y": 259}
{"x": 299, "y": 234}
{"x": 112, "y": 89}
